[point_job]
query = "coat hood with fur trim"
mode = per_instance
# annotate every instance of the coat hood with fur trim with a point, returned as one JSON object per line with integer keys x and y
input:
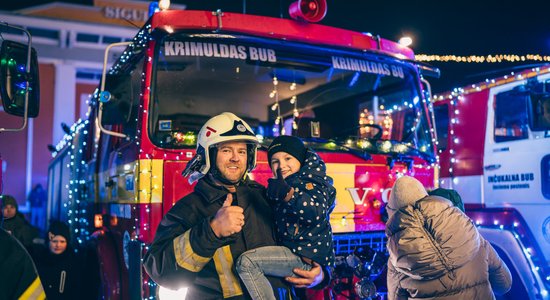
{"x": 431, "y": 238}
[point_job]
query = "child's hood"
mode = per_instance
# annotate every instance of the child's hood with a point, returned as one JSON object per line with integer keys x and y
{"x": 431, "y": 238}
{"x": 314, "y": 170}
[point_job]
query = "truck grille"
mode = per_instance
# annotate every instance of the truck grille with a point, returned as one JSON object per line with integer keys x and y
{"x": 345, "y": 244}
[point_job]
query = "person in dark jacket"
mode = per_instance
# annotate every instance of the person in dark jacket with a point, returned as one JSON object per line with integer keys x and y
{"x": 226, "y": 214}
{"x": 16, "y": 224}
{"x": 302, "y": 197}
{"x": 37, "y": 198}
{"x": 436, "y": 252}
{"x": 59, "y": 267}
{"x": 17, "y": 271}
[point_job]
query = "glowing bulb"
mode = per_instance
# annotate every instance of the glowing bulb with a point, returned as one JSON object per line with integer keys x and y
{"x": 164, "y": 4}
{"x": 405, "y": 41}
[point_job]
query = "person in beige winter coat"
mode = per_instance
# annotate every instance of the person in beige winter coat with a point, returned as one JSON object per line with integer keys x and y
{"x": 436, "y": 251}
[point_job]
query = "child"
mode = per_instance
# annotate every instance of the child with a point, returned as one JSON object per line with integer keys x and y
{"x": 59, "y": 267}
{"x": 436, "y": 252}
{"x": 302, "y": 197}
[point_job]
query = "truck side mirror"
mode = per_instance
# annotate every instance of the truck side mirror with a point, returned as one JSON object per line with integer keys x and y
{"x": 105, "y": 96}
{"x": 16, "y": 82}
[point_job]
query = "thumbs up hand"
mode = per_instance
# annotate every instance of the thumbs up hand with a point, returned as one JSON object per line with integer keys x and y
{"x": 277, "y": 188}
{"x": 228, "y": 220}
{"x": 228, "y": 200}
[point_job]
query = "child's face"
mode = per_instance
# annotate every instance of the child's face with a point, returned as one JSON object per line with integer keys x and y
{"x": 58, "y": 244}
{"x": 288, "y": 164}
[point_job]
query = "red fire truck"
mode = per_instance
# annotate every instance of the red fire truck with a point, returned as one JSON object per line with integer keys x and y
{"x": 359, "y": 100}
{"x": 19, "y": 84}
{"x": 494, "y": 149}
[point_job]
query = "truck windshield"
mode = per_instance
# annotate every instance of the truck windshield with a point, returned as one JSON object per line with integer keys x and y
{"x": 357, "y": 100}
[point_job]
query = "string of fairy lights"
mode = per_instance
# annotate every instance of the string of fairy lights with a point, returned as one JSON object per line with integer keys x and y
{"x": 457, "y": 96}
{"x": 274, "y": 94}
{"x": 76, "y": 140}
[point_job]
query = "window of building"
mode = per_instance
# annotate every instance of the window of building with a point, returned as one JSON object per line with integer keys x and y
{"x": 87, "y": 38}
{"x": 111, "y": 39}
{"x": 44, "y": 33}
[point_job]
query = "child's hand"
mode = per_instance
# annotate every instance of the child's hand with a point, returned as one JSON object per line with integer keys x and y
{"x": 277, "y": 188}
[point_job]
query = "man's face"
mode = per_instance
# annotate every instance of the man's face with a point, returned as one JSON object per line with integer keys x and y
{"x": 231, "y": 160}
{"x": 9, "y": 211}
{"x": 58, "y": 244}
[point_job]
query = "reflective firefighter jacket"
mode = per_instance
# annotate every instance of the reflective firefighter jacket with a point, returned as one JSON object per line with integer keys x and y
{"x": 186, "y": 252}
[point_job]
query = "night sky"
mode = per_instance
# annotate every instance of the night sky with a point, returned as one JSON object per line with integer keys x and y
{"x": 464, "y": 27}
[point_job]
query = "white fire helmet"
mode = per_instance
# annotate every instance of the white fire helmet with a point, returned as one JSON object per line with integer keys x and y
{"x": 224, "y": 127}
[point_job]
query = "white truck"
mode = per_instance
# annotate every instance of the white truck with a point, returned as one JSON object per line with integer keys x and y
{"x": 494, "y": 149}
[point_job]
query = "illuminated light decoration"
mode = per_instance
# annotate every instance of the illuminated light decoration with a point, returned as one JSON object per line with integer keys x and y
{"x": 295, "y": 112}
{"x": 164, "y": 4}
{"x": 457, "y": 95}
{"x": 405, "y": 41}
{"x": 399, "y": 148}
{"x": 188, "y": 138}
{"x": 344, "y": 221}
{"x": 76, "y": 140}
{"x": 512, "y": 221}
{"x": 497, "y": 58}
{"x": 364, "y": 144}
{"x": 276, "y": 107}
{"x": 385, "y": 146}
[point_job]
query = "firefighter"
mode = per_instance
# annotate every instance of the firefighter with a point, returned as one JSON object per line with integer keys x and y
{"x": 17, "y": 272}
{"x": 202, "y": 235}
{"x": 436, "y": 251}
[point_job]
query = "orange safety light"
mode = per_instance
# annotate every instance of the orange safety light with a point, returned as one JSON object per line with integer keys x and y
{"x": 98, "y": 220}
{"x": 113, "y": 221}
{"x": 308, "y": 10}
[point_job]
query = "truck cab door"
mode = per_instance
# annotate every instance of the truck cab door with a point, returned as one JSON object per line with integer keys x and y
{"x": 514, "y": 159}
